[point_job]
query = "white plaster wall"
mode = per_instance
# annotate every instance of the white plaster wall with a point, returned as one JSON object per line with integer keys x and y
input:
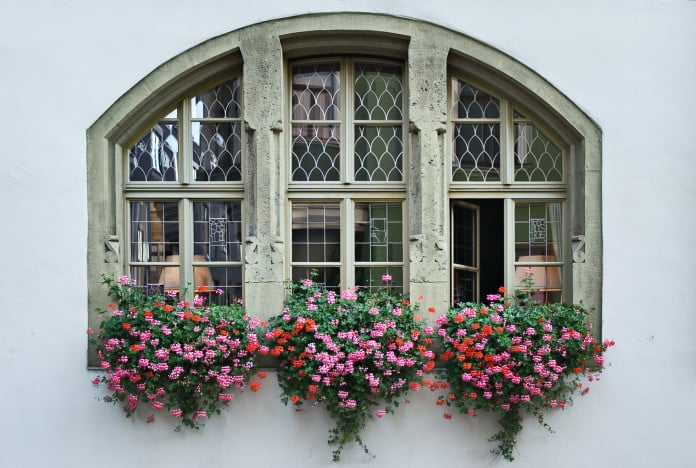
{"x": 630, "y": 64}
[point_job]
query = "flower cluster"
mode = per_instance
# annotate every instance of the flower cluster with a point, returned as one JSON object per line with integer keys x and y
{"x": 357, "y": 352}
{"x": 513, "y": 355}
{"x": 166, "y": 355}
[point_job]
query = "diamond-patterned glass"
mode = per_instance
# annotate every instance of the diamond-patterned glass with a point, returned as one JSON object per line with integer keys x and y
{"x": 222, "y": 101}
{"x": 476, "y": 152}
{"x": 316, "y": 91}
{"x": 378, "y": 92}
{"x": 378, "y": 154}
{"x": 217, "y": 151}
{"x": 154, "y": 157}
{"x": 537, "y": 159}
{"x": 472, "y": 103}
{"x": 316, "y": 153}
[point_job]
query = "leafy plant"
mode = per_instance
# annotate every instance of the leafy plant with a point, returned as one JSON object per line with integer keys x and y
{"x": 356, "y": 352}
{"x": 161, "y": 354}
{"x": 516, "y": 355}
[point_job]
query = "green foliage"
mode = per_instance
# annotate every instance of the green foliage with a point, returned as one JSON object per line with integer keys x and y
{"x": 355, "y": 352}
{"x": 516, "y": 355}
{"x": 161, "y": 354}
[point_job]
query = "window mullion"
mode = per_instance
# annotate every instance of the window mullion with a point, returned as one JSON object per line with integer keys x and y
{"x": 185, "y": 143}
{"x": 186, "y": 249}
{"x": 348, "y": 241}
{"x": 509, "y": 241}
{"x": 347, "y": 130}
{"x": 507, "y": 140}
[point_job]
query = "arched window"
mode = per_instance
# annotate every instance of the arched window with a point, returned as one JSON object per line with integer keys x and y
{"x": 508, "y": 193}
{"x": 353, "y": 144}
{"x": 347, "y": 121}
{"x": 184, "y": 236}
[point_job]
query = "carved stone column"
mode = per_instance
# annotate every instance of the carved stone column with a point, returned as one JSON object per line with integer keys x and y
{"x": 428, "y": 211}
{"x": 265, "y": 200}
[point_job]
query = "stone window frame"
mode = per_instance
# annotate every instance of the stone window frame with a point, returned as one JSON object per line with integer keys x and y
{"x": 430, "y": 53}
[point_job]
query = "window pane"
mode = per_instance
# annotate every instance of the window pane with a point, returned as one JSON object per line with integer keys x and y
{"x": 465, "y": 286}
{"x": 316, "y": 153}
{"x": 537, "y": 159}
{"x": 316, "y": 91}
{"x": 538, "y": 232}
{"x": 316, "y": 232}
{"x": 156, "y": 279}
{"x": 370, "y": 278}
{"x": 378, "y": 154}
{"x": 548, "y": 284}
{"x": 464, "y": 239}
{"x": 538, "y": 240}
{"x": 222, "y": 101}
{"x": 326, "y": 277}
{"x": 154, "y": 231}
{"x": 476, "y": 153}
{"x": 378, "y": 92}
{"x": 154, "y": 157}
{"x": 472, "y": 103}
{"x": 217, "y": 151}
{"x": 378, "y": 232}
{"x": 224, "y": 284}
{"x": 217, "y": 232}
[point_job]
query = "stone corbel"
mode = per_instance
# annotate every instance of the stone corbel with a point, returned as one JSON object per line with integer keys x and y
{"x": 251, "y": 250}
{"x": 277, "y": 127}
{"x": 277, "y": 250}
{"x": 112, "y": 249}
{"x": 416, "y": 248}
{"x": 578, "y": 243}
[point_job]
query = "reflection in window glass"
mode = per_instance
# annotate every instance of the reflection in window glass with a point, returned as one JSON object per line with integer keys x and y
{"x": 539, "y": 249}
{"x": 154, "y": 157}
{"x": 537, "y": 159}
{"x": 316, "y": 242}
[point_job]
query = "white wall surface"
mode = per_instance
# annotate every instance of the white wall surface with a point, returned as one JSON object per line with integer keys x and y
{"x": 631, "y": 65}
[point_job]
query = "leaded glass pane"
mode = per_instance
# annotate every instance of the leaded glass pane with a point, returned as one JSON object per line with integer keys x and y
{"x": 378, "y": 154}
{"x": 370, "y": 278}
{"x": 324, "y": 277}
{"x": 316, "y": 153}
{"x": 538, "y": 232}
{"x": 222, "y": 101}
{"x": 548, "y": 282}
{"x": 378, "y": 232}
{"x": 224, "y": 284}
{"x": 316, "y": 91}
{"x": 464, "y": 238}
{"x": 316, "y": 232}
{"x": 464, "y": 286}
{"x": 538, "y": 241}
{"x": 378, "y": 91}
{"x": 217, "y": 151}
{"x": 154, "y": 231}
{"x": 472, "y": 103}
{"x": 537, "y": 159}
{"x": 156, "y": 279}
{"x": 476, "y": 153}
{"x": 154, "y": 157}
{"x": 217, "y": 232}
